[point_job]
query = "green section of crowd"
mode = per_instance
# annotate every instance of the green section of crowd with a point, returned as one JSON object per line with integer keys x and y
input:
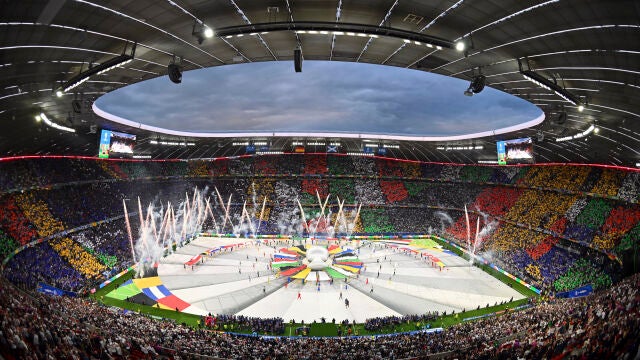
{"x": 582, "y": 272}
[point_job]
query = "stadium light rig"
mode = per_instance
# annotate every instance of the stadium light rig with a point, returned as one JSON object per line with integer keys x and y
{"x": 45, "y": 119}
{"x": 102, "y": 68}
{"x": 579, "y": 135}
{"x": 552, "y": 86}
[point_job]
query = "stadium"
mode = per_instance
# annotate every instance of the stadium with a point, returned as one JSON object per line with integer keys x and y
{"x": 341, "y": 179}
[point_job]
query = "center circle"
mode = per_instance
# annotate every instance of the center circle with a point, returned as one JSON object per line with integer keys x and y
{"x": 317, "y": 257}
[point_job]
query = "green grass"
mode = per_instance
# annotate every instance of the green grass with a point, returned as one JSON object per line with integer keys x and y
{"x": 425, "y": 243}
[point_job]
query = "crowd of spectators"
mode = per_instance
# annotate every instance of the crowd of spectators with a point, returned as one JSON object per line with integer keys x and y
{"x": 7, "y": 245}
{"x": 14, "y": 222}
{"x": 603, "y": 325}
{"x": 389, "y": 205}
{"x": 379, "y": 323}
{"x": 240, "y": 323}
{"x": 583, "y": 272}
{"x": 630, "y": 189}
{"x": 41, "y": 263}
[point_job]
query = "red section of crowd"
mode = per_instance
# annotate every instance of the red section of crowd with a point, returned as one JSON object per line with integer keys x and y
{"x": 394, "y": 191}
{"x": 315, "y": 165}
{"x": 13, "y": 221}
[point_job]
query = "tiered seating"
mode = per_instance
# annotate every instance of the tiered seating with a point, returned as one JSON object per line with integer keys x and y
{"x": 291, "y": 165}
{"x": 609, "y": 183}
{"x": 340, "y": 165}
{"x": 42, "y": 263}
{"x": 539, "y": 209}
{"x": 78, "y": 257}
{"x": 476, "y": 173}
{"x": 583, "y": 272}
{"x": 494, "y": 201}
{"x": 265, "y": 165}
{"x": 619, "y": 221}
{"x": 113, "y": 169}
{"x": 7, "y": 245}
{"x": 14, "y": 222}
{"x": 37, "y": 212}
{"x": 507, "y": 175}
{"x": 542, "y": 248}
{"x": 630, "y": 189}
{"x": 17, "y": 175}
{"x": 594, "y": 214}
{"x": 135, "y": 170}
{"x": 108, "y": 242}
{"x": 197, "y": 168}
{"x": 343, "y": 189}
{"x": 243, "y": 166}
{"x": 555, "y": 177}
{"x": 368, "y": 192}
{"x": 393, "y": 190}
{"x": 450, "y": 173}
{"x": 511, "y": 237}
{"x": 315, "y": 165}
{"x": 364, "y": 166}
{"x": 431, "y": 171}
{"x": 411, "y": 170}
{"x": 172, "y": 168}
{"x": 609, "y": 224}
{"x": 629, "y": 239}
{"x": 219, "y": 167}
{"x": 414, "y": 188}
{"x": 376, "y": 221}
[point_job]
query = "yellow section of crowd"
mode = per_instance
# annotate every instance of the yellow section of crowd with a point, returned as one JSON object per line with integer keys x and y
{"x": 75, "y": 255}
{"x": 38, "y": 213}
{"x": 609, "y": 183}
{"x": 556, "y": 177}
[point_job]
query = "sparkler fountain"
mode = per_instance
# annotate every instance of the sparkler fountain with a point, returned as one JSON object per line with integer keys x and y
{"x": 473, "y": 247}
{"x": 164, "y": 229}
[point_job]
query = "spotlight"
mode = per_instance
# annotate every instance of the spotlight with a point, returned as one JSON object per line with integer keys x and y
{"x": 175, "y": 73}
{"x": 596, "y": 130}
{"x": 297, "y": 59}
{"x": 562, "y": 117}
{"x": 77, "y": 106}
{"x": 59, "y": 93}
{"x": 580, "y": 107}
{"x": 201, "y": 31}
{"x": 38, "y": 118}
{"x": 460, "y": 46}
{"x": 477, "y": 85}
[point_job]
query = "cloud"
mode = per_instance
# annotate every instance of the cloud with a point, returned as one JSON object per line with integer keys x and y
{"x": 326, "y": 96}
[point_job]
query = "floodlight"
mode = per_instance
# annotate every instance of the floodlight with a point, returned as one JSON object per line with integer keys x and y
{"x": 460, "y": 46}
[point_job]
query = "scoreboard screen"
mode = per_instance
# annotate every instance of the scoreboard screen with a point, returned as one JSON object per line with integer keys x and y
{"x": 516, "y": 151}
{"x": 115, "y": 144}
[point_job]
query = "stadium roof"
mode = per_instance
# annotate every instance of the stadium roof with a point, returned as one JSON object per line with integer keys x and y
{"x": 588, "y": 50}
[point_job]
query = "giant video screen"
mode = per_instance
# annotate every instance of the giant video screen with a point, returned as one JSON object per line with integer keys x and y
{"x": 516, "y": 151}
{"x": 116, "y": 144}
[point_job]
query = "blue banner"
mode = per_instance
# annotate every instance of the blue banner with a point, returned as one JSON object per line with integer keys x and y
{"x": 50, "y": 290}
{"x": 578, "y": 292}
